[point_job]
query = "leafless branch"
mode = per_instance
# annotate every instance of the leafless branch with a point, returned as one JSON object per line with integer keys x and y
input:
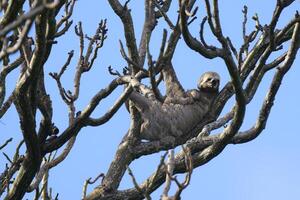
{"x": 190, "y": 40}
{"x": 29, "y": 15}
{"x": 57, "y": 77}
{"x": 69, "y": 6}
{"x": 107, "y": 116}
{"x": 75, "y": 127}
{"x": 169, "y": 174}
{"x": 3, "y": 73}
{"x": 89, "y": 181}
{"x": 50, "y": 164}
{"x": 12, "y": 49}
{"x": 128, "y": 60}
{"x": 6, "y": 176}
{"x": 6, "y": 143}
{"x": 136, "y": 185}
{"x": 189, "y": 167}
{"x": 165, "y": 16}
{"x": 201, "y": 33}
{"x": 31, "y": 33}
{"x": 124, "y": 13}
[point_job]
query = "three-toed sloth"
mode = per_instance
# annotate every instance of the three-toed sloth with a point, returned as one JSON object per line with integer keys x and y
{"x": 180, "y": 111}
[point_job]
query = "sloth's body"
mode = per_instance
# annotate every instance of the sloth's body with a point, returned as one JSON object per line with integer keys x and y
{"x": 180, "y": 111}
{"x": 173, "y": 119}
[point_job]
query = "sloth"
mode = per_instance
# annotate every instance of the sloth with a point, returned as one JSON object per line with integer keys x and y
{"x": 180, "y": 111}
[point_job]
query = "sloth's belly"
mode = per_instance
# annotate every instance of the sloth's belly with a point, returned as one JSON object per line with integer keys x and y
{"x": 171, "y": 120}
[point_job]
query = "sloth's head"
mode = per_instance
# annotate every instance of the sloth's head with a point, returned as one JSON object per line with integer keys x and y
{"x": 209, "y": 82}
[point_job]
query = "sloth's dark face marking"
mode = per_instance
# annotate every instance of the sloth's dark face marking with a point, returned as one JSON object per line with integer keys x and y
{"x": 209, "y": 82}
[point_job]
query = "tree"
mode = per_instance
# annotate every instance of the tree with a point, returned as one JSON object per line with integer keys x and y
{"x": 28, "y": 36}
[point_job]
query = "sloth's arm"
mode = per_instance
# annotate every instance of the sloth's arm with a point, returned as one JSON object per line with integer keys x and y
{"x": 174, "y": 91}
{"x": 141, "y": 102}
{"x": 194, "y": 94}
{"x": 173, "y": 86}
{"x": 143, "y": 97}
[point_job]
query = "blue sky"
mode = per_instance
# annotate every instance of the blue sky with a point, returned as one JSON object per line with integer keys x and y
{"x": 266, "y": 168}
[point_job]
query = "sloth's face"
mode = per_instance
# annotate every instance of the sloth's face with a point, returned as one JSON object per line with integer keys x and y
{"x": 209, "y": 82}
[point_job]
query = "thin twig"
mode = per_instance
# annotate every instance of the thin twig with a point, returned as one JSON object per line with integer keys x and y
{"x": 6, "y": 143}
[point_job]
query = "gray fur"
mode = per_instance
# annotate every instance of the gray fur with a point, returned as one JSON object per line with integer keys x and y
{"x": 177, "y": 115}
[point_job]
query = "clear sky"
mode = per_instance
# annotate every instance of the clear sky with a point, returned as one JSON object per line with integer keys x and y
{"x": 266, "y": 168}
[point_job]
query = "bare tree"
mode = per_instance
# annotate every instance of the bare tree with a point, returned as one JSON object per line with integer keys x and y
{"x": 177, "y": 117}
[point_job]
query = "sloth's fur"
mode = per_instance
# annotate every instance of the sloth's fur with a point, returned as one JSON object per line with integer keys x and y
{"x": 180, "y": 111}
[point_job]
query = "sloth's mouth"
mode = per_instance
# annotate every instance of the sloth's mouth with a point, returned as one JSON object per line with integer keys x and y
{"x": 213, "y": 85}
